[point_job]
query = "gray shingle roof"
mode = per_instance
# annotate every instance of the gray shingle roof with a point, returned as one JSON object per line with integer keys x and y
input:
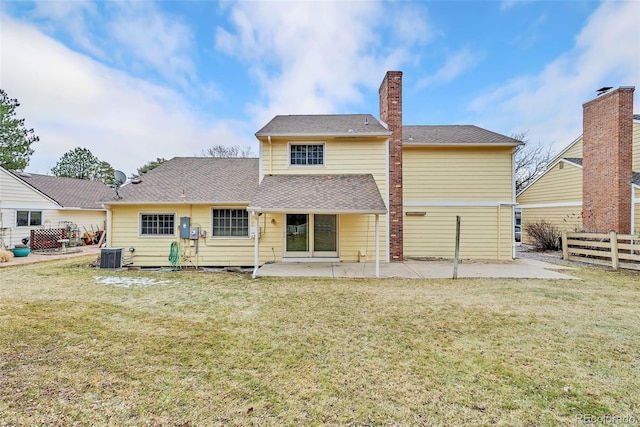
{"x": 324, "y": 125}
{"x": 68, "y": 192}
{"x": 635, "y": 178}
{"x": 636, "y": 117}
{"x": 195, "y": 180}
{"x": 318, "y": 194}
{"x": 453, "y": 134}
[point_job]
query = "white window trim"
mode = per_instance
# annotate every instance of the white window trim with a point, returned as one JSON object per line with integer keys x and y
{"x": 324, "y": 153}
{"x": 29, "y": 218}
{"x": 241, "y": 208}
{"x": 157, "y": 236}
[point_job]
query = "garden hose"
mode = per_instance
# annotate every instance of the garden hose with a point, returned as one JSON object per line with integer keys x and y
{"x": 174, "y": 255}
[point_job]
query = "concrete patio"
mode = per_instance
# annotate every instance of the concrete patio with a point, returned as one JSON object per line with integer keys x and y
{"x": 519, "y": 268}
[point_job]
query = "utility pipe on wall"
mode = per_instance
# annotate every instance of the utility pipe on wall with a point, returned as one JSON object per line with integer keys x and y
{"x": 256, "y": 251}
{"x": 270, "y": 155}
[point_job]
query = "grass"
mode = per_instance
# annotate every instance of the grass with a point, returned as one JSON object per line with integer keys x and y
{"x": 84, "y": 346}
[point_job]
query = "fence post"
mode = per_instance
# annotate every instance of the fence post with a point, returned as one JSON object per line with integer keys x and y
{"x": 456, "y": 257}
{"x": 565, "y": 246}
{"x": 613, "y": 237}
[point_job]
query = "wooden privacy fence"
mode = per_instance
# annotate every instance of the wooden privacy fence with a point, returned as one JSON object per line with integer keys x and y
{"x": 609, "y": 249}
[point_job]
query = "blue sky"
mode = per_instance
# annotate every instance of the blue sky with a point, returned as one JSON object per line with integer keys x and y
{"x": 136, "y": 80}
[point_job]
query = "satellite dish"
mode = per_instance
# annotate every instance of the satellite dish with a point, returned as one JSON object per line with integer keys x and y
{"x": 120, "y": 177}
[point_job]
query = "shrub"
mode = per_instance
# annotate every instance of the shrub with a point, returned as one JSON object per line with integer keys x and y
{"x": 5, "y": 255}
{"x": 545, "y": 235}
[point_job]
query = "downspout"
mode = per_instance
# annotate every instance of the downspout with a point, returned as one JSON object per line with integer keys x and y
{"x": 388, "y": 233}
{"x": 270, "y": 155}
{"x": 256, "y": 251}
{"x": 499, "y": 229}
{"x": 109, "y": 226}
{"x": 633, "y": 215}
{"x": 377, "y": 245}
{"x": 513, "y": 200}
{"x": 633, "y": 211}
{"x": 260, "y": 160}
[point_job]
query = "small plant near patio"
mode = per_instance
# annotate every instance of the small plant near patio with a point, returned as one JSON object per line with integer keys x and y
{"x": 545, "y": 236}
{"x": 5, "y": 255}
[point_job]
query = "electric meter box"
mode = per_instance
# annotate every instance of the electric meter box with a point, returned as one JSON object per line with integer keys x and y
{"x": 185, "y": 227}
{"x": 194, "y": 233}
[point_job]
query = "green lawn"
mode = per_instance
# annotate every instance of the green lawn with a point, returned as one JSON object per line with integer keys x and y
{"x": 84, "y": 346}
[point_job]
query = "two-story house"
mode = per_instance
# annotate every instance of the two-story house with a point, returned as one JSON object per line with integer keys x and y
{"x": 345, "y": 187}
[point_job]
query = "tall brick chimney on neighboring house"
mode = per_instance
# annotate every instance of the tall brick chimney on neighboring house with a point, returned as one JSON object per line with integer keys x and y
{"x": 607, "y": 144}
{"x": 391, "y": 113}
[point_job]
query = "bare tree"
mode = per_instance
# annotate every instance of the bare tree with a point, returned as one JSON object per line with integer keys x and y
{"x": 228, "y": 151}
{"x": 530, "y": 161}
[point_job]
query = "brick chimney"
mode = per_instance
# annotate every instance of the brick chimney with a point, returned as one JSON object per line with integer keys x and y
{"x": 391, "y": 114}
{"x": 607, "y": 145}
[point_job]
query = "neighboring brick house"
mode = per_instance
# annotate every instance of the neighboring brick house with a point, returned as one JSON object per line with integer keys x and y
{"x": 345, "y": 187}
{"x": 591, "y": 185}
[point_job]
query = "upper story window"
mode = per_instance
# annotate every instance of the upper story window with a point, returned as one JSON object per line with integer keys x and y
{"x": 28, "y": 218}
{"x": 306, "y": 154}
{"x": 157, "y": 224}
{"x": 230, "y": 223}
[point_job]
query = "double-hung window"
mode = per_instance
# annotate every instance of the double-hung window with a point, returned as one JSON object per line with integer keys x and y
{"x": 157, "y": 224}
{"x": 28, "y": 218}
{"x": 306, "y": 154}
{"x": 230, "y": 223}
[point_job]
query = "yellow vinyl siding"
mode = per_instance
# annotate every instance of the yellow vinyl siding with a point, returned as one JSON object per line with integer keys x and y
{"x": 356, "y": 233}
{"x": 557, "y": 186}
{"x": 473, "y": 182}
{"x": 154, "y": 251}
{"x": 357, "y": 156}
{"x": 433, "y": 235}
{"x": 560, "y": 184}
{"x": 271, "y": 237}
{"x": 575, "y": 151}
{"x": 565, "y": 218}
{"x": 457, "y": 174}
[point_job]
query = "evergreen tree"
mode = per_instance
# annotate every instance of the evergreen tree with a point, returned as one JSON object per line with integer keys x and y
{"x": 15, "y": 138}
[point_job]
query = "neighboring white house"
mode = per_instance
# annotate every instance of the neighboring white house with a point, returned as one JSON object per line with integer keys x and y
{"x": 33, "y": 201}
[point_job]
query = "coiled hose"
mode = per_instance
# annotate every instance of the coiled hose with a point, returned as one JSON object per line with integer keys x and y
{"x": 174, "y": 255}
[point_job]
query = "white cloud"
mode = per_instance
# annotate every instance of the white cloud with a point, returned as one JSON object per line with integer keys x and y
{"x": 71, "y": 17}
{"x": 73, "y": 101}
{"x": 549, "y": 104}
{"x": 158, "y": 41}
{"x": 456, "y": 65}
{"x": 315, "y": 57}
{"x": 132, "y": 35}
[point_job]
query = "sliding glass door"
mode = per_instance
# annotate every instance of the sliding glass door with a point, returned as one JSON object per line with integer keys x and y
{"x": 309, "y": 235}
